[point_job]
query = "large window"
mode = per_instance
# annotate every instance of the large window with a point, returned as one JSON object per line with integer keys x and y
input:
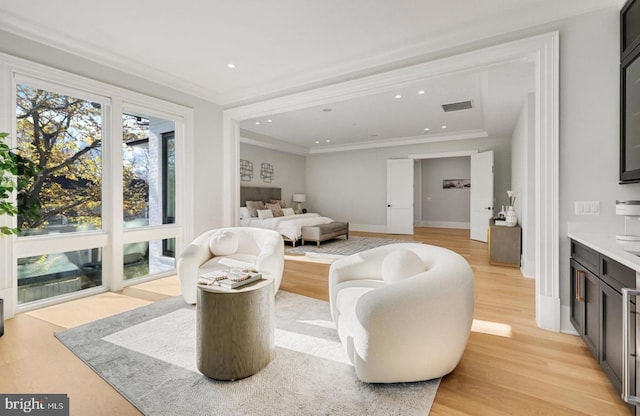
{"x": 60, "y": 142}
{"x": 148, "y": 175}
{"x": 54, "y": 274}
{"x": 147, "y": 162}
{"x": 99, "y": 196}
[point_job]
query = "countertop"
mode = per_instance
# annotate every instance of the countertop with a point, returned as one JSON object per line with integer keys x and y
{"x": 604, "y": 241}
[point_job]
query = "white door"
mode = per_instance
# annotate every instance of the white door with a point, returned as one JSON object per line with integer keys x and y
{"x": 481, "y": 195}
{"x": 400, "y": 196}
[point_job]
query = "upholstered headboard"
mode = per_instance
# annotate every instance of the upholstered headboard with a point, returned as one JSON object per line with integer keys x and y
{"x": 258, "y": 193}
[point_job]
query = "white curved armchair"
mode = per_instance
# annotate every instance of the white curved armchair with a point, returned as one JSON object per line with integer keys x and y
{"x": 403, "y": 311}
{"x": 224, "y": 248}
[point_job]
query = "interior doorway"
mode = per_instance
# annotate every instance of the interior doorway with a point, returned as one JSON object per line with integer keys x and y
{"x": 542, "y": 50}
{"x": 438, "y": 201}
{"x": 444, "y": 193}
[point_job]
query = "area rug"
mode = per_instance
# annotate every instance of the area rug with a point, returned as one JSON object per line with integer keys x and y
{"x": 149, "y": 356}
{"x": 345, "y": 247}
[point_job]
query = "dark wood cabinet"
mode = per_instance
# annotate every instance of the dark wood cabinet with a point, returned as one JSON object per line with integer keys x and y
{"x": 596, "y": 308}
{"x": 629, "y": 27}
{"x": 610, "y": 351}
{"x": 585, "y": 306}
{"x": 614, "y": 276}
{"x": 630, "y": 92}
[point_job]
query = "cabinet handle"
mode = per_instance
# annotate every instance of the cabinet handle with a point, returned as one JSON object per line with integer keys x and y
{"x": 626, "y": 312}
{"x": 579, "y": 297}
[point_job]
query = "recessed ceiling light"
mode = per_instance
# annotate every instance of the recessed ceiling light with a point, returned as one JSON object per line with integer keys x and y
{"x": 426, "y": 129}
{"x": 317, "y": 141}
{"x": 231, "y": 66}
{"x": 326, "y": 110}
{"x": 444, "y": 126}
{"x": 398, "y": 96}
{"x": 328, "y": 141}
{"x": 257, "y": 122}
{"x": 421, "y": 92}
{"x": 269, "y": 121}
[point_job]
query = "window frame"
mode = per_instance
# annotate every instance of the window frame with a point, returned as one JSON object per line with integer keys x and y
{"x": 112, "y": 237}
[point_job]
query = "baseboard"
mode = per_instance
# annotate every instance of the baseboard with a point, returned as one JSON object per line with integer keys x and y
{"x": 565, "y": 323}
{"x": 443, "y": 224}
{"x": 372, "y": 228}
{"x": 528, "y": 267}
{"x": 368, "y": 228}
{"x": 548, "y": 312}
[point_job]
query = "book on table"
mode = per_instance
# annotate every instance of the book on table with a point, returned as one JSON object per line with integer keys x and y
{"x": 229, "y": 280}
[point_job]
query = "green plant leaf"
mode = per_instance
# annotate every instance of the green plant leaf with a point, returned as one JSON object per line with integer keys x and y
{"x": 8, "y": 182}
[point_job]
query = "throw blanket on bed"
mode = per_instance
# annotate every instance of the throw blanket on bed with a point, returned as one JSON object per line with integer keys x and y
{"x": 289, "y": 226}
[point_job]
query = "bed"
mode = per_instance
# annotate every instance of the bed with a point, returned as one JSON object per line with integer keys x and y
{"x": 290, "y": 226}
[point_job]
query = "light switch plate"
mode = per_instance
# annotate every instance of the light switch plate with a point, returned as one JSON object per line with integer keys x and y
{"x": 587, "y": 207}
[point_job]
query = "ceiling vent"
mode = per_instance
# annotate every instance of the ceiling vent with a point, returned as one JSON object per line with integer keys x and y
{"x": 463, "y": 105}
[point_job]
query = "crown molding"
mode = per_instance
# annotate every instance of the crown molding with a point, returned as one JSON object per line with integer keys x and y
{"x": 345, "y": 71}
{"x": 440, "y": 155}
{"x": 403, "y": 141}
{"x": 281, "y": 147}
{"x": 413, "y": 53}
{"x": 76, "y": 46}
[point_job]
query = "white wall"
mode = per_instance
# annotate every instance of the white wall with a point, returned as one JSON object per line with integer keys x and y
{"x": 351, "y": 186}
{"x": 589, "y": 126}
{"x": 289, "y": 170}
{"x": 445, "y": 207}
{"x": 207, "y": 158}
{"x": 523, "y": 181}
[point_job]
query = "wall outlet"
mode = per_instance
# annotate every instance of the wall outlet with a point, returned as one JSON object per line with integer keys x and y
{"x": 587, "y": 207}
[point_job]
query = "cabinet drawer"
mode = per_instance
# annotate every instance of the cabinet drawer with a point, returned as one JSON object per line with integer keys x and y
{"x": 588, "y": 257}
{"x": 616, "y": 275}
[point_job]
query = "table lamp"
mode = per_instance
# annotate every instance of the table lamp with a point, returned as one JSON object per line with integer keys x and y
{"x": 299, "y": 198}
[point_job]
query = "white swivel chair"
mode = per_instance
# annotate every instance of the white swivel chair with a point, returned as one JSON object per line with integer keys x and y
{"x": 403, "y": 311}
{"x": 224, "y": 248}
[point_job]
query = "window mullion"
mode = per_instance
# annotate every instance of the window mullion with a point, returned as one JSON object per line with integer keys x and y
{"x": 113, "y": 171}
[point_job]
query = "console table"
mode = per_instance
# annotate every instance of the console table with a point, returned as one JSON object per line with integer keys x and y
{"x": 504, "y": 245}
{"x": 235, "y": 329}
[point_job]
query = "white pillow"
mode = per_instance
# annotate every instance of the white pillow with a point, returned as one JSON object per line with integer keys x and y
{"x": 244, "y": 213}
{"x": 263, "y": 214}
{"x": 287, "y": 212}
{"x": 223, "y": 243}
{"x": 400, "y": 264}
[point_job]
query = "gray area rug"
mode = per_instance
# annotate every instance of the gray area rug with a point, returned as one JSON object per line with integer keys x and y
{"x": 149, "y": 356}
{"x": 345, "y": 247}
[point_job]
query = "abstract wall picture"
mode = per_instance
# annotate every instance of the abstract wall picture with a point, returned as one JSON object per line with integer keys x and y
{"x": 246, "y": 170}
{"x": 456, "y": 183}
{"x": 266, "y": 172}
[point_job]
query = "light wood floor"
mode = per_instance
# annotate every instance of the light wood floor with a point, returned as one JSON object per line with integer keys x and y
{"x": 510, "y": 367}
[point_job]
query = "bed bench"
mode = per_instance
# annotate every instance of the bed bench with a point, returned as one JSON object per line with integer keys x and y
{"x": 323, "y": 232}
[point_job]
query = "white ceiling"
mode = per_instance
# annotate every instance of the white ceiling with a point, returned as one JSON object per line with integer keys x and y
{"x": 496, "y": 96}
{"x": 284, "y": 46}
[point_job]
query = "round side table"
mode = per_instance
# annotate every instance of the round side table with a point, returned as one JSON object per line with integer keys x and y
{"x": 235, "y": 329}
